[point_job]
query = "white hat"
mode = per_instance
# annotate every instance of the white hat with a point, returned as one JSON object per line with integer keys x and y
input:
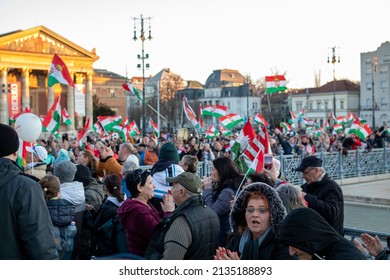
{"x": 115, "y": 136}
{"x": 39, "y": 151}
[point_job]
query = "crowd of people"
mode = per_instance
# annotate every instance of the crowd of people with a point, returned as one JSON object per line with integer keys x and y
{"x": 151, "y": 186}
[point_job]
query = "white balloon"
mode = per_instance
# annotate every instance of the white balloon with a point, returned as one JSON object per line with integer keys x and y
{"x": 29, "y": 127}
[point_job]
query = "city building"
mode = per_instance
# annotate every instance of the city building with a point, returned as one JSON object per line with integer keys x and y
{"x": 26, "y": 56}
{"x": 318, "y": 102}
{"x": 375, "y": 80}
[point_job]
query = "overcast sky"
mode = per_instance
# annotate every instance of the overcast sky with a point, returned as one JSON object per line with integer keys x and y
{"x": 193, "y": 38}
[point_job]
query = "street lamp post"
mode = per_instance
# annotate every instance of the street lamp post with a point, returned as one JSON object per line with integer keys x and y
{"x": 374, "y": 63}
{"x": 334, "y": 59}
{"x": 142, "y": 57}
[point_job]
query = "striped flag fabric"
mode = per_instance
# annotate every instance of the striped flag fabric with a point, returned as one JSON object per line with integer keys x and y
{"x": 211, "y": 132}
{"x": 65, "y": 117}
{"x": 58, "y": 73}
{"x": 52, "y": 121}
{"x": 293, "y": 117}
{"x": 190, "y": 114}
{"x": 130, "y": 88}
{"x": 286, "y": 127}
{"x": 83, "y": 132}
{"x": 261, "y": 120}
{"x": 108, "y": 122}
{"x": 154, "y": 126}
{"x": 215, "y": 111}
{"x": 201, "y": 123}
{"x": 224, "y": 131}
{"x": 133, "y": 129}
{"x": 231, "y": 120}
{"x": 275, "y": 83}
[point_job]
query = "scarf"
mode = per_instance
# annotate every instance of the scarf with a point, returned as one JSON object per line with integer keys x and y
{"x": 249, "y": 247}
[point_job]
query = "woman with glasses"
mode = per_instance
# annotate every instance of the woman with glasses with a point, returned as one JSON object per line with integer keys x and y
{"x": 256, "y": 218}
{"x": 138, "y": 216}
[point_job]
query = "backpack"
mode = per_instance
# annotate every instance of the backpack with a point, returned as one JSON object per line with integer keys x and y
{"x": 115, "y": 233}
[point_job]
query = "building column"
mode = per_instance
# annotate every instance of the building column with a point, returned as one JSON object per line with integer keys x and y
{"x": 4, "y": 118}
{"x": 50, "y": 98}
{"x": 25, "y": 88}
{"x": 88, "y": 98}
{"x": 70, "y": 105}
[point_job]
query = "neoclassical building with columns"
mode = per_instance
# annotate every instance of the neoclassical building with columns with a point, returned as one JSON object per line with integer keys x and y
{"x": 25, "y": 59}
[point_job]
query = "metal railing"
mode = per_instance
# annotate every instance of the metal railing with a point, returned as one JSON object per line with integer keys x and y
{"x": 354, "y": 164}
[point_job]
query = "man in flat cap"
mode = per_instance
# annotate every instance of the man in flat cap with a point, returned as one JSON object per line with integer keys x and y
{"x": 191, "y": 232}
{"x": 25, "y": 224}
{"x": 323, "y": 194}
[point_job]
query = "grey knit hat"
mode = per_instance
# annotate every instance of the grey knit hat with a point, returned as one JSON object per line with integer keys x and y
{"x": 277, "y": 209}
{"x": 65, "y": 171}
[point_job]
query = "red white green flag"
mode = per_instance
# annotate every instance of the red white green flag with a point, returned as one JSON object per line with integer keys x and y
{"x": 286, "y": 127}
{"x": 258, "y": 163}
{"x": 211, "y": 132}
{"x": 231, "y": 120}
{"x": 293, "y": 117}
{"x": 83, "y": 132}
{"x": 65, "y": 117}
{"x": 22, "y": 152}
{"x": 58, "y": 73}
{"x": 261, "y": 120}
{"x": 154, "y": 126}
{"x": 108, "y": 122}
{"x": 133, "y": 129}
{"x": 52, "y": 121}
{"x": 130, "y": 88}
{"x": 224, "y": 131}
{"x": 201, "y": 123}
{"x": 275, "y": 83}
{"x": 362, "y": 131}
{"x": 337, "y": 127}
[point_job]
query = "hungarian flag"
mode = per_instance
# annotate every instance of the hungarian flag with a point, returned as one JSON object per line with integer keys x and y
{"x": 154, "y": 126}
{"x": 293, "y": 117}
{"x": 258, "y": 163}
{"x": 108, "y": 122}
{"x": 286, "y": 127}
{"x": 211, "y": 132}
{"x": 332, "y": 116}
{"x": 261, "y": 120}
{"x": 275, "y": 83}
{"x": 190, "y": 114}
{"x": 133, "y": 129}
{"x": 362, "y": 131}
{"x": 83, "y": 132}
{"x": 224, "y": 131}
{"x": 52, "y": 121}
{"x": 97, "y": 127}
{"x": 337, "y": 127}
{"x": 122, "y": 131}
{"x": 58, "y": 73}
{"x": 308, "y": 123}
{"x": 65, "y": 117}
{"x": 201, "y": 123}
{"x": 130, "y": 88}
{"x": 22, "y": 152}
{"x": 231, "y": 120}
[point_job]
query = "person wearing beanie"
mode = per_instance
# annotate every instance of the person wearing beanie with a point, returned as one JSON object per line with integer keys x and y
{"x": 73, "y": 192}
{"x": 166, "y": 166}
{"x": 26, "y": 229}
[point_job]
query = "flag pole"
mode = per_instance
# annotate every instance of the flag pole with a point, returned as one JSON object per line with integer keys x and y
{"x": 246, "y": 174}
{"x": 269, "y": 108}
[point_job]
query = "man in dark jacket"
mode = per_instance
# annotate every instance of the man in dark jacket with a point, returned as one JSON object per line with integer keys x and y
{"x": 323, "y": 194}
{"x": 310, "y": 237}
{"x": 191, "y": 231}
{"x": 26, "y": 229}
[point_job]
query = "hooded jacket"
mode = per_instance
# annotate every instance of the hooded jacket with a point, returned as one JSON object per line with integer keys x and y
{"x": 25, "y": 224}
{"x": 270, "y": 248}
{"x": 306, "y": 230}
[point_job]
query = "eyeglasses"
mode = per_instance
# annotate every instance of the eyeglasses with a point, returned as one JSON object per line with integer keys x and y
{"x": 261, "y": 210}
{"x": 308, "y": 170}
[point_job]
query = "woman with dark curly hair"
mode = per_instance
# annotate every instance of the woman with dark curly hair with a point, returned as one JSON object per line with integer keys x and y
{"x": 220, "y": 189}
{"x": 138, "y": 216}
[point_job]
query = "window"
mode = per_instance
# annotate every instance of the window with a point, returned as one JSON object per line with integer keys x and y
{"x": 310, "y": 105}
{"x": 368, "y": 60}
{"x": 299, "y": 106}
{"x": 369, "y": 86}
{"x": 383, "y": 69}
{"x": 384, "y": 101}
{"x": 326, "y": 105}
{"x": 369, "y": 71}
{"x": 384, "y": 85}
{"x": 369, "y": 103}
{"x": 386, "y": 58}
{"x": 318, "y": 105}
{"x": 112, "y": 93}
{"x": 341, "y": 104}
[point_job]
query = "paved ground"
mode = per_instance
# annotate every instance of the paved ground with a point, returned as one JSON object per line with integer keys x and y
{"x": 372, "y": 192}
